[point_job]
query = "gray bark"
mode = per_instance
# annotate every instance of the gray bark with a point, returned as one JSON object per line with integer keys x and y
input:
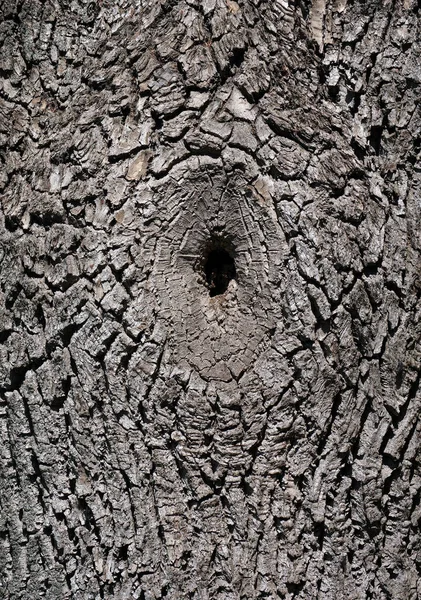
{"x": 160, "y": 440}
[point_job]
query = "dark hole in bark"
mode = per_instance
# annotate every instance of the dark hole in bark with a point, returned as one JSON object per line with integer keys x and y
{"x": 219, "y": 269}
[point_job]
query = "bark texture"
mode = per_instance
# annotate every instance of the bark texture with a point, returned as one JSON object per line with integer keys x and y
{"x": 158, "y": 441}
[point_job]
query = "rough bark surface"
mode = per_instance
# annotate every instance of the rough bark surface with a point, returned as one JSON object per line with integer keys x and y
{"x": 160, "y": 442}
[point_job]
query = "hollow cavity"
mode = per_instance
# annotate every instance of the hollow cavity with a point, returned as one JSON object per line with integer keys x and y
{"x": 219, "y": 270}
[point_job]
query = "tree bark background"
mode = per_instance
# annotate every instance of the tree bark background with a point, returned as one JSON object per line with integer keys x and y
{"x": 160, "y": 443}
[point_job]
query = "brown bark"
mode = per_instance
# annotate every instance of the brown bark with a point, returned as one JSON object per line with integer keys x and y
{"x": 210, "y": 317}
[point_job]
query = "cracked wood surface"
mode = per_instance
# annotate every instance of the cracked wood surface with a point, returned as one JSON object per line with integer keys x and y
{"x": 158, "y": 442}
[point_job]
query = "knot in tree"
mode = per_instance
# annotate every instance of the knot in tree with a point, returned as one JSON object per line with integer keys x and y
{"x": 219, "y": 271}
{"x": 218, "y": 266}
{"x": 209, "y": 297}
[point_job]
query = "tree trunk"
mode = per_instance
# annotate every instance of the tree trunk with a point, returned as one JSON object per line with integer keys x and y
{"x": 210, "y": 316}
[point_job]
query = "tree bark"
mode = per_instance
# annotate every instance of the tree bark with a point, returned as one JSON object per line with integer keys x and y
{"x": 210, "y": 299}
